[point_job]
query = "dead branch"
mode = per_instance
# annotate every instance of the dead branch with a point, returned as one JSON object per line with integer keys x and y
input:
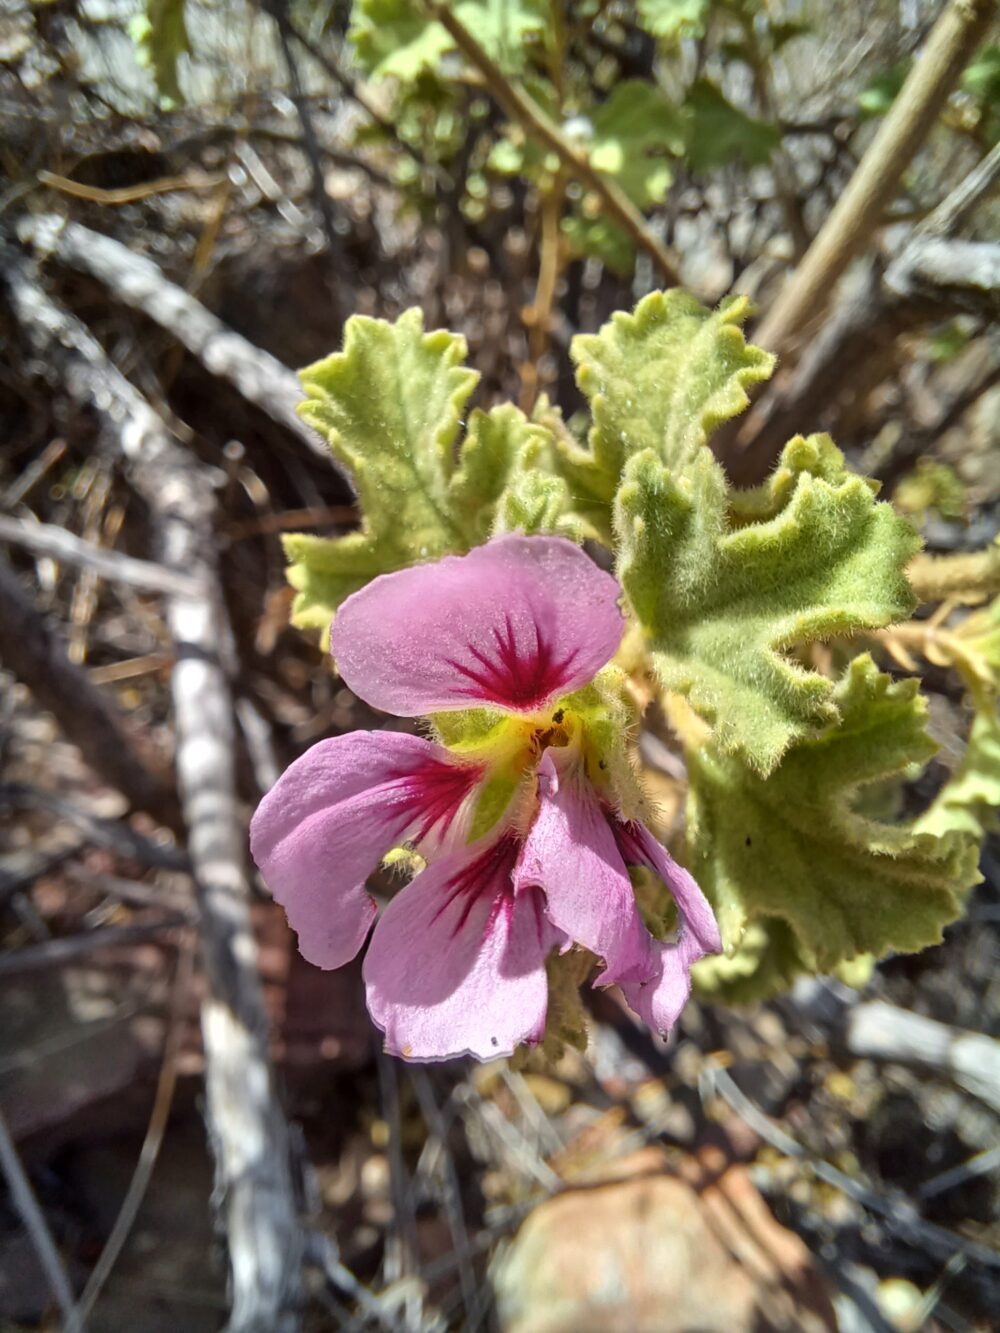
{"x": 926, "y": 280}
{"x": 139, "y": 283}
{"x": 246, "y": 1123}
{"x": 898, "y": 1212}
{"x": 49, "y": 540}
{"x": 859, "y": 209}
{"x": 879, "y": 1031}
{"x": 961, "y": 273}
{"x": 23, "y": 1198}
{"x": 31, "y": 649}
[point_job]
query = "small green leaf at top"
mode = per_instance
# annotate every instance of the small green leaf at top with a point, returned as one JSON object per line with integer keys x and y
{"x": 161, "y": 38}
{"x": 878, "y": 95}
{"x": 635, "y": 132}
{"x": 970, "y": 800}
{"x": 793, "y": 851}
{"x": 669, "y": 20}
{"x": 396, "y": 38}
{"x": 723, "y": 605}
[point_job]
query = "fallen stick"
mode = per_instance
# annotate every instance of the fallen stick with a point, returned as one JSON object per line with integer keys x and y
{"x": 137, "y": 282}
{"x": 249, "y": 1135}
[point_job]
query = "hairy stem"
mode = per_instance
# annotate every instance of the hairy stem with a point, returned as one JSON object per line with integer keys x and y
{"x": 975, "y": 573}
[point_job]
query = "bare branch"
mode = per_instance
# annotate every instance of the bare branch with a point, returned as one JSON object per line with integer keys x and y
{"x": 523, "y": 108}
{"x": 880, "y": 1031}
{"x": 247, "y": 1126}
{"x": 899, "y": 1214}
{"x": 860, "y": 208}
{"x": 50, "y": 540}
{"x": 139, "y": 283}
{"x": 23, "y": 1198}
{"x": 961, "y": 273}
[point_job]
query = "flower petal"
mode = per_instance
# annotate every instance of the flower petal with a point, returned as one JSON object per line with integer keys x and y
{"x": 659, "y": 1001}
{"x": 571, "y": 853}
{"x": 456, "y": 965}
{"x": 512, "y": 624}
{"x": 331, "y": 817}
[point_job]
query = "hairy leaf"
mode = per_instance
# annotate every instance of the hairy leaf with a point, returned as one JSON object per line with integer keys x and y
{"x": 500, "y": 444}
{"x": 970, "y": 800}
{"x": 395, "y": 37}
{"x": 722, "y": 604}
{"x": 390, "y": 406}
{"x": 793, "y": 847}
{"x": 662, "y": 378}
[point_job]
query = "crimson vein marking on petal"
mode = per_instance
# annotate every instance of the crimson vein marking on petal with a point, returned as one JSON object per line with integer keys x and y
{"x": 488, "y": 873}
{"x": 520, "y": 675}
{"x": 433, "y": 794}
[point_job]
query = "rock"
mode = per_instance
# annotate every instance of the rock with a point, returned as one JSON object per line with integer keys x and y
{"x": 654, "y": 1253}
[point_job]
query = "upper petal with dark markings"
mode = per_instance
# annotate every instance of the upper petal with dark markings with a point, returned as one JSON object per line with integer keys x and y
{"x": 513, "y": 624}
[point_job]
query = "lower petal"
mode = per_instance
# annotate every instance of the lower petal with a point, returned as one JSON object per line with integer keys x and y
{"x": 331, "y": 817}
{"x": 659, "y": 1000}
{"x": 456, "y": 965}
{"x": 571, "y": 853}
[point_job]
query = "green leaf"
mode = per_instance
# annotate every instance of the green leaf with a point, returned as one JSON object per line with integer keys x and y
{"x": 499, "y": 444}
{"x": 970, "y": 799}
{"x": 161, "y": 38}
{"x": 634, "y": 131}
{"x": 670, "y": 20}
{"x": 390, "y": 406}
{"x": 793, "y": 849}
{"x": 395, "y": 38}
{"x": 765, "y": 962}
{"x": 877, "y": 97}
{"x": 721, "y": 604}
{"x": 600, "y": 238}
{"x": 720, "y": 133}
{"x": 633, "y": 135}
{"x": 981, "y": 77}
{"x": 662, "y": 378}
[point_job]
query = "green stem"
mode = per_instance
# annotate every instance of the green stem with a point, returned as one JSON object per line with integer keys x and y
{"x": 523, "y": 108}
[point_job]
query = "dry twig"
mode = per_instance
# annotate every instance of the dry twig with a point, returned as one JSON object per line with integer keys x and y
{"x": 30, "y": 649}
{"x": 49, "y": 540}
{"x": 523, "y": 108}
{"x": 139, "y": 283}
{"x": 23, "y": 1198}
{"x": 860, "y": 208}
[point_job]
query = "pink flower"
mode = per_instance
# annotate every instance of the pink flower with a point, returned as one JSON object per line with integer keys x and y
{"x": 519, "y": 824}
